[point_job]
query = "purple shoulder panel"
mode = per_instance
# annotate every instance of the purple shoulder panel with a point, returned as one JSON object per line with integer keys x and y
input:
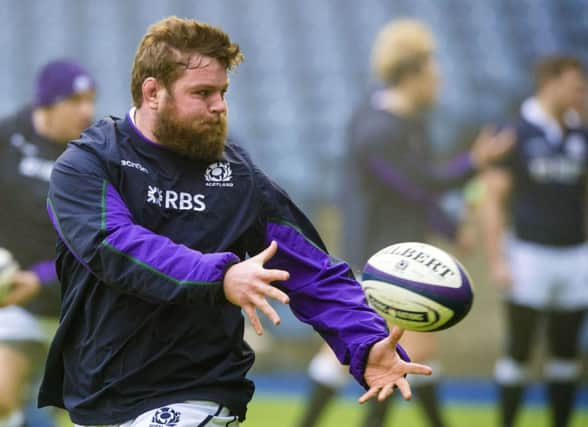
{"x": 154, "y": 251}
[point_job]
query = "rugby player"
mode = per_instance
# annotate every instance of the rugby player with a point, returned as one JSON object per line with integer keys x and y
{"x": 166, "y": 232}
{"x": 392, "y": 191}
{"x": 30, "y": 141}
{"x": 542, "y": 268}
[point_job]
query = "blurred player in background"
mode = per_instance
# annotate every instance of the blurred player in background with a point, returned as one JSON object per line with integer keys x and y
{"x": 393, "y": 187}
{"x": 166, "y": 232}
{"x": 543, "y": 269}
{"x": 30, "y": 141}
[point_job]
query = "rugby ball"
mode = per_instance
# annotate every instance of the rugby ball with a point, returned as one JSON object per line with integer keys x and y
{"x": 417, "y": 286}
{"x": 8, "y": 266}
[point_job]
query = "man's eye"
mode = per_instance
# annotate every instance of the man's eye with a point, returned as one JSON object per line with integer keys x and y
{"x": 203, "y": 93}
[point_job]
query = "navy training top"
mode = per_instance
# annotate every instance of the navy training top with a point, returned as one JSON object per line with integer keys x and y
{"x": 549, "y": 166}
{"x": 26, "y": 160}
{"x": 145, "y": 238}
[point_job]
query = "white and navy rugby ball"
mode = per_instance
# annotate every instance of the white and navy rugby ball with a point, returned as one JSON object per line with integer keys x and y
{"x": 417, "y": 286}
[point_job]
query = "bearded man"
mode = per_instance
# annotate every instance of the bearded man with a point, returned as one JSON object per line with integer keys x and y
{"x": 166, "y": 231}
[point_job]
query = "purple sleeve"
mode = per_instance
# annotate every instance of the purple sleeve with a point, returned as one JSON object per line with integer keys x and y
{"x": 95, "y": 224}
{"x": 324, "y": 294}
{"x": 421, "y": 183}
{"x": 398, "y": 182}
{"x": 45, "y": 271}
{"x": 456, "y": 168}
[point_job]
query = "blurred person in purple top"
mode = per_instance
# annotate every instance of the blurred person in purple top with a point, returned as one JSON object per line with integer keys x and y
{"x": 30, "y": 141}
{"x": 167, "y": 231}
{"x": 392, "y": 188}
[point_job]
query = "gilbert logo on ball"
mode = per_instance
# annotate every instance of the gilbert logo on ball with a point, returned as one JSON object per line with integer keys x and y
{"x": 8, "y": 266}
{"x": 417, "y": 286}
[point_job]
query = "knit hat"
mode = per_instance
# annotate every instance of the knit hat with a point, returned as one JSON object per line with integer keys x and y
{"x": 58, "y": 80}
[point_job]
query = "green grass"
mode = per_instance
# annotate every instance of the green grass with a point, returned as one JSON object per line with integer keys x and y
{"x": 268, "y": 412}
{"x": 284, "y": 412}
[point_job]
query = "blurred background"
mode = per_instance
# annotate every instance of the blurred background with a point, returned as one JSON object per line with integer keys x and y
{"x": 306, "y": 66}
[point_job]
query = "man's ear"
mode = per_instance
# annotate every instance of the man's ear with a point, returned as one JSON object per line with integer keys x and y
{"x": 150, "y": 90}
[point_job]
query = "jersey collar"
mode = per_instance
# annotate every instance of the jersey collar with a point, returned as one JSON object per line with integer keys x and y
{"x": 533, "y": 112}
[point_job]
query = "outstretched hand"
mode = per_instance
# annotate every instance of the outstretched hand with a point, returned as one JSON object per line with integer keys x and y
{"x": 385, "y": 369}
{"x": 490, "y": 146}
{"x": 247, "y": 284}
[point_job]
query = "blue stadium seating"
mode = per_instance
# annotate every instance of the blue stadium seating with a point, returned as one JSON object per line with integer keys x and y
{"x": 307, "y": 63}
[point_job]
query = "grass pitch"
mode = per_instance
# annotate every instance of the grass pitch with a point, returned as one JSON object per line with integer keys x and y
{"x": 270, "y": 412}
{"x": 285, "y": 412}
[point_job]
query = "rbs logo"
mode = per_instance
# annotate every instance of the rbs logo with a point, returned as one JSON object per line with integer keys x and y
{"x": 180, "y": 201}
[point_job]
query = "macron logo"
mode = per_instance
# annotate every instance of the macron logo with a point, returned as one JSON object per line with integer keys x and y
{"x": 134, "y": 165}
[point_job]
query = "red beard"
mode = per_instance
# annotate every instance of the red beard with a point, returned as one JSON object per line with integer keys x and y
{"x": 199, "y": 140}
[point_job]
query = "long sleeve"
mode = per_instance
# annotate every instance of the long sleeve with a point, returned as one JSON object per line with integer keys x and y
{"x": 391, "y": 162}
{"x": 323, "y": 291}
{"x": 419, "y": 183}
{"x": 397, "y": 157}
{"x": 97, "y": 227}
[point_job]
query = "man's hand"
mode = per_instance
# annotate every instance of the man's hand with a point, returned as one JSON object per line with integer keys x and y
{"x": 490, "y": 146}
{"x": 385, "y": 369}
{"x": 25, "y": 286}
{"x": 247, "y": 284}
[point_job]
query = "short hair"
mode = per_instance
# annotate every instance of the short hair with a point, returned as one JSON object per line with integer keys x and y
{"x": 165, "y": 51}
{"x": 401, "y": 48}
{"x": 551, "y": 67}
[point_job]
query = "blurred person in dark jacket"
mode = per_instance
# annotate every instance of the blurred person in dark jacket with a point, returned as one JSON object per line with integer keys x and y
{"x": 30, "y": 141}
{"x": 392, "y": 190}
{"x": 534, "y": 222}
